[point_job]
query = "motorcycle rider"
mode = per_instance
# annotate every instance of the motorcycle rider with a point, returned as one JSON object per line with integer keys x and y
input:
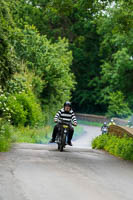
{"x": 67, "y": 115}
{"x": 111, "y": 122}
{"x": 129, "y": 124}
{"x": 104, "y": 128}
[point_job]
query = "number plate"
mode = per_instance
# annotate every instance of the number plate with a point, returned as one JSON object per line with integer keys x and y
{"x": 65, "y": 126}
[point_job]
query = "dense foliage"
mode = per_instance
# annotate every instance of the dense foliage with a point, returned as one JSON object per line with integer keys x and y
{"x": 100, "y": 38}
{"x": 43, "y": 65}
{"x": 53, "y": 80}
{"x": 121, "y": 147}
{"x": 115, "y": 30}
{"x": 8, "y": 60}
{"x": 35, "y": 74}
{"x": 52, "y": 51}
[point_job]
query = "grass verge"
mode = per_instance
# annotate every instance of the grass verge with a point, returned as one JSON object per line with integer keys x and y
{"x": 5, "y": 136}
{"x": 120, "y": 147}
{"x": 78, "y": 131}
{"x": 31, "y": 135}
{"x": 89, "y": 123}
{"x": 10, "y": 134}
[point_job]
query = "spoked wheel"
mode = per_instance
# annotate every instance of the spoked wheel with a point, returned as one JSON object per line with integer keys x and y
{"x": 61, "y": 148}
{"x": 58, "y": 146}
{"x": 63, "y": 143}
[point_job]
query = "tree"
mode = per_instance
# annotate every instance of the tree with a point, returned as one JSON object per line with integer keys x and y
{"x": 50, "y": 62}
{"x": 8, "y": 60}
{"x": 115, "y": 30}
{"x": 117, "y": 106}
{"x": 73, "y": 20}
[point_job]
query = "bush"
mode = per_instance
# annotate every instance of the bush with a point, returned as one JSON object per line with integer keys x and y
{"x": 99, "y": 142}
{"x": 121, "y": 147}
{"x": 5, "y": 136}
{"x": 16, "y": 110}
{"x": 24, "y": 109}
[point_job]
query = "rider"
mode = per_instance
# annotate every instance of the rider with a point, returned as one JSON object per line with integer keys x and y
{"x": 111, "y": 122}
{"x": 66, "y": 114}
{"x": 129, "y": 124}
{"x": 104, "y": 126}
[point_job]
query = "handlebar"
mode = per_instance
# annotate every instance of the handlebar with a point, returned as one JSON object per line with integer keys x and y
{"x": 64, "y": 122}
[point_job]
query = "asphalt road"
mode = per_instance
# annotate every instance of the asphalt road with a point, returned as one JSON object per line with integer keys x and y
{"x": 40, "y": 172}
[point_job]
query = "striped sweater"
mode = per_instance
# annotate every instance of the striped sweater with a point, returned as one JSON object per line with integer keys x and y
{"x": 65, "y": 116}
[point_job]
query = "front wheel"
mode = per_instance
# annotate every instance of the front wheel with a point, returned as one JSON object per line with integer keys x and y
{"x": 58, "y": 146}
{"x": 62, "y": 143}
{"x": 61, "y": 148}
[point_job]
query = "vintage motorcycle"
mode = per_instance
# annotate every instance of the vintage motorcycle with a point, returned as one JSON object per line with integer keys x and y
{"x": 104, "y": 130}
{"x": 62, "y": 135}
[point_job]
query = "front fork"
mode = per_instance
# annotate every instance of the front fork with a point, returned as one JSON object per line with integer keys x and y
{"x": 62, "y": 137}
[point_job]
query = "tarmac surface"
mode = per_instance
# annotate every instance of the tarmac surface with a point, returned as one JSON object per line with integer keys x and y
{"x": 40, "y": 172}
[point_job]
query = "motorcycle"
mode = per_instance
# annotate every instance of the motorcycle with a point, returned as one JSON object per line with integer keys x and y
{"x": 104, "y": 130}
{"x": 62, "y": 135}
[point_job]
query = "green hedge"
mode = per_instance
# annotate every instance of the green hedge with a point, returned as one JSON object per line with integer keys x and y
{"x": 22, "y": 109}
{"x": 121, "y": 147}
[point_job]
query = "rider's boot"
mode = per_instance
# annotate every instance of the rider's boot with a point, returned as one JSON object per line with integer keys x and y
{"x": 70, "y": 135}
{"x": 69, "y": 143}
{"x": 52, "y": 140}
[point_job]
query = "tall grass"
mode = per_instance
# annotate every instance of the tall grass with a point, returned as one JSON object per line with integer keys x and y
{"x": 31, "y": 135}
{"x": 5, "y": 136}
{"x": 10, "y": 134}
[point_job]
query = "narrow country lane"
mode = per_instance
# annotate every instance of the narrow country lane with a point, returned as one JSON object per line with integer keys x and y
{"x": 40, "y": 172}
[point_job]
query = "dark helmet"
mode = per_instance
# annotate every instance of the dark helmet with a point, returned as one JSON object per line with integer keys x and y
{"x": 67, "y": 103}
